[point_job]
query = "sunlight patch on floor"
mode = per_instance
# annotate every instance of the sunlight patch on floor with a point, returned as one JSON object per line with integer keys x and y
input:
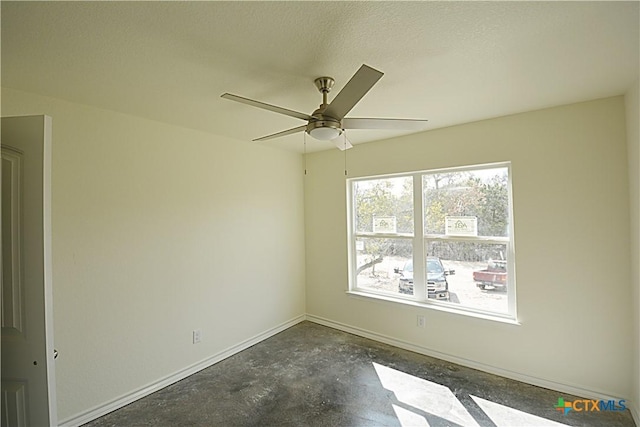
{"x": 420, "y": 401}
{"x": 428, "y": 398}
{"x": 408, "y": 418}
{"x": 505, "y": 416}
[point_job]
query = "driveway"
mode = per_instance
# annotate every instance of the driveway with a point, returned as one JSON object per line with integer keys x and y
{"x": 462, "y": 288}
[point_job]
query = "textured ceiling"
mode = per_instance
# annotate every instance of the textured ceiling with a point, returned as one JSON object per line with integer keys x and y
{"x": 449, "y": 62}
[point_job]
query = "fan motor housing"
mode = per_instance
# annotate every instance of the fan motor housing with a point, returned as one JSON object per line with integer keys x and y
{"x": 324, "y": 123}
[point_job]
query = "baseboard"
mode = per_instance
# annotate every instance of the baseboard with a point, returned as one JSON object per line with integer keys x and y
{"x": 540, "y": 382}
{"x": 103, "y": 409}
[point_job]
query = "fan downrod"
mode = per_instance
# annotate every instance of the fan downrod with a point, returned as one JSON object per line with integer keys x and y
{"x": 324, "y": 85}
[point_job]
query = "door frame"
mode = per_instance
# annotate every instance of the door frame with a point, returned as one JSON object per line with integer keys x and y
{"x": 48, "y": 267}
{"x": 47, "y": 260}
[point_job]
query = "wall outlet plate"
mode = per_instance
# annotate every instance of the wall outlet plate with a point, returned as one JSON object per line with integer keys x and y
{"x": 197, "y": 336}
{"x": 420, "y": 321}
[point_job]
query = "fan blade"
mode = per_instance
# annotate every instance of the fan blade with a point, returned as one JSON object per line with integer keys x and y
{"x": 283, "y": 133}
{"x": 342, "y": 143}
{"x": 392, "y": 124}
{"x": 264, "y": 106}
{"x": 361, "y": 82}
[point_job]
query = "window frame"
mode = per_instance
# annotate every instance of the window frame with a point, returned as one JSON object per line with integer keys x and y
{"x": 419, "y": 242}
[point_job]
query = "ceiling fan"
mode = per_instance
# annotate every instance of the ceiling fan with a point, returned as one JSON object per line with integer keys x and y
{"x": 328, "y": 122}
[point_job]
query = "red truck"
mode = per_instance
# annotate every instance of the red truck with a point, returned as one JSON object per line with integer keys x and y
{"x": 494, "y": 276}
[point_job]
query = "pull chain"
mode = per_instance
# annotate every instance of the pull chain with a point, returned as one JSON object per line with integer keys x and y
{"x": 345, "y": 153}
{"x": 305, "y": 152}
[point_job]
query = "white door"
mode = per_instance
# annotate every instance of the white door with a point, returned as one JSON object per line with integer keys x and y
{"x": 28, "y": 371}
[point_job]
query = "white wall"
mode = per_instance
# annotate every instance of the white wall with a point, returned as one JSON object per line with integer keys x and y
{"x": 159, "y": 230}
{"x": 632, "y": 103}
{"x": 571, "y": 207}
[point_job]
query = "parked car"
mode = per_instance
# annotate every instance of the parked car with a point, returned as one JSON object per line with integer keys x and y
{"x": 493, "y": 277}
{"x": 437, "y": 284}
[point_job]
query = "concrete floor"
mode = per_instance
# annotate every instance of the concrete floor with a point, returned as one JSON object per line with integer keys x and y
{"x": 311, "y": 375}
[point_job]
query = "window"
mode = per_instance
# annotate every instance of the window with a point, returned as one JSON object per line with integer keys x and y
{"x": 436, "y": 237}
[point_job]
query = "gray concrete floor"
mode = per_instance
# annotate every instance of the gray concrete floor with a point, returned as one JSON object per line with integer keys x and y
{"x": 311, "y": 375}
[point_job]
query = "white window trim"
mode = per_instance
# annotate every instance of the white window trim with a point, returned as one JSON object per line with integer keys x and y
{"x": 469, "y": 312}
{"x": 418, "y": 238}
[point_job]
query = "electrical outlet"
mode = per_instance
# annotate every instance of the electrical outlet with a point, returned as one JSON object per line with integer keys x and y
{"x": 421, "y": 321}
{"x": 197, "y": 336}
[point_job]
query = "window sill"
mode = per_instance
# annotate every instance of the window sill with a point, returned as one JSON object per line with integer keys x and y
{"x": 430, "y": 306}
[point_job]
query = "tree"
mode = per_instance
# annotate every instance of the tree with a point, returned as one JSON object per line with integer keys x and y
{"x": 384, "y": 198}
{"x": 373, "y": 198}
{"x": 494, "y": 213}
{"x": 466, "y": 194}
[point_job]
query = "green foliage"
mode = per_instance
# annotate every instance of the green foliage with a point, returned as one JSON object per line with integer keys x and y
{"x": 445, "y": 194}
{"x": 465, "y": 194}
{"x": 373, "y": 198}
{"x": 380, "y": 198}
{"x": 494, "y": 209}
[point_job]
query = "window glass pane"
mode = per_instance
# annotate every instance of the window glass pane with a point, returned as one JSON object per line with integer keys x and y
{"x": 467, "y": 203}
{"x": 479, "y": 276}
{"x": 384, "y": 205}
{"x": 384, "y": 265}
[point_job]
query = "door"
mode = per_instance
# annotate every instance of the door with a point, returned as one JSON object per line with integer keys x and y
{"x": 28, "y": 372}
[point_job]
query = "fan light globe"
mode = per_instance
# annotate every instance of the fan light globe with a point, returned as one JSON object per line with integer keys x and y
{"x": 325, "y": 133}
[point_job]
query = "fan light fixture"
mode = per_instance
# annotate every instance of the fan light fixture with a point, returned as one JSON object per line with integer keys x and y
{"x": 325, "y": 133}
